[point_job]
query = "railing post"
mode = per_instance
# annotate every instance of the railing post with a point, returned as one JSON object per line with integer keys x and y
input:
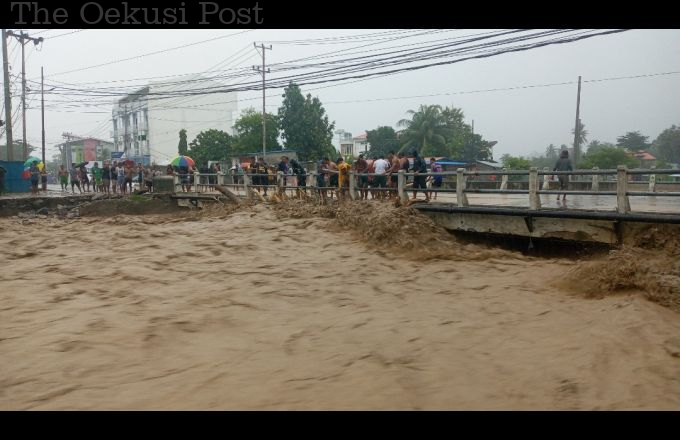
{"x": 280, "y": 182}
{"x": 461, "y": 198}
{"x": 622, "y": 202}
{"x": 352, "y": 186}
{"x": 246, "y": 185}
{"x": 596, "y": 180}
{"x": 534, "y": 197}
{"x": 220, "y": 179}
{"x": 176, "y": 179}
{"x": 504, "y": 180}
{"x": 652, "y": 181}
{"x": 546, "y": 179}
{"x": 197, "y": 181}
{"x": 401, "y": 186}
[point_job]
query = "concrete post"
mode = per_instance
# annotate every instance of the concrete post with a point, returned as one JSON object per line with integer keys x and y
{"x": 596, "y": 180}
{"x": 352, "y": 186}
{"x": 178, "y": 183}
{"x": 280, "y": 182}
{"x": 461, "y": 198}
{"x": 546, "y": 179}
{"x": 401, "y": 186}
{"x": 534, "y": 197}
{"x": 220, "y": 179}
{"x": 504, "y": 180}
{"x": 622, "y": 202}
{"x": 652, "y": 181}
{"x": 246, "y": 185}
{"x": 197, "y": 181}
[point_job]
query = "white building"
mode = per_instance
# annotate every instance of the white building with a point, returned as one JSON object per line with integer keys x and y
{"x": 146, "y": 123}
{"x": 353, "y": 146}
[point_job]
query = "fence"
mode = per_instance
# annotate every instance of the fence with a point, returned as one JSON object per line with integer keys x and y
{"x": 203, "y": 182}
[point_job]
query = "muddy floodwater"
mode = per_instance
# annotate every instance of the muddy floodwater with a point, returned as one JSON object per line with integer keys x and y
{"x": 258, "y": 310}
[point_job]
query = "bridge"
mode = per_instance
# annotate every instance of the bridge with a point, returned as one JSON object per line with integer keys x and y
{"x": 598, "y": 210}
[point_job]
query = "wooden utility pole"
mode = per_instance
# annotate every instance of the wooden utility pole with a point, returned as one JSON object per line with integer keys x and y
{"x": 263, "y": 71}
{"x": 23, "y": 37}
{"x": 8, "y": 99}
{"x": 577, "y": 125}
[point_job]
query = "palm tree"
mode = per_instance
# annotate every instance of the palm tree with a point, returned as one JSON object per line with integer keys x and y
{"x": 582, "y": 133}
{"x": 427, "y": 130}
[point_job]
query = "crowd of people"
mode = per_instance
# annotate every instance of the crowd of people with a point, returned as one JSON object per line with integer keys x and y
{"x": 111, "y": 178}
{"x": 377, "y": 176}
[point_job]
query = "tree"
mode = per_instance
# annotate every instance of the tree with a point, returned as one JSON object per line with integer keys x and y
{"x": 515, "y": 163}
{"x": 582, "y": 133}
{"x": 551, "y": 152}
{"x": 210, "y": 145}
{"x": 596, "y": 145}
{"x": 305, "y": 125}
{"x": 426, "y": 130}
{"x": 249, "y": 131}
{"x": 382, "y": 140}
{"x": 608, "y": 158}
{"x": 667, "y": 145}
{"x": 633, "y": 141}
{"x": 18, "y": 150}
{"x": 182, "y": 148}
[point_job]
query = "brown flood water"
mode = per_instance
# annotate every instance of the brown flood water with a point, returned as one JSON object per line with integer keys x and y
{"x": 251, "y": 311}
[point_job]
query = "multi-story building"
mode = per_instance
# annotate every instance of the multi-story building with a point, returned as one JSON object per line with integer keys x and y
{"x": 146, "y": 123}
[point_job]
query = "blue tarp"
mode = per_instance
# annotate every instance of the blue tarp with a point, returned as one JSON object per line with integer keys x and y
{"x": 14, "y": 183}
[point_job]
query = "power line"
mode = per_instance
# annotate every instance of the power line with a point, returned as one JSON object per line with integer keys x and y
{"x": 151, "y": 53}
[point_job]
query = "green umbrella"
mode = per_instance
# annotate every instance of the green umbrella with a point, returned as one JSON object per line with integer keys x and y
{"x": 30, "y": 160}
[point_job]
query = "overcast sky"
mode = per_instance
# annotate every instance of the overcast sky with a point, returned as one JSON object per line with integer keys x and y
{"x": 523, "y": 121}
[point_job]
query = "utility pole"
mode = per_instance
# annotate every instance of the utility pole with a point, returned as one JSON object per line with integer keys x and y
{"x": 23, "y": 37}
{"x": 8, "y": 99}
{"x": 42, "y": 110}
{"x": 577, "y": 125}
{"x": 263, "y": 71}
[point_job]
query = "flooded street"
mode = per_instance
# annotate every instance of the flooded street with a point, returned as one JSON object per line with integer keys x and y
{"x": 256, "y": 311}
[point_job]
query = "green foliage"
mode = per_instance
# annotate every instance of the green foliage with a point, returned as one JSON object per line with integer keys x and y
{"x": 667, "y": 145}
{"x": 425, "y": 131}
{"x": 210, "y": 145}
{"x": 183, "y": 147}
{"x": 582, "y": 133}
{"x": 18, "y": 150}
{"x": 382, "y": 140}
{"x": 305, "y": 125}
{"x": 633, "y": 141}
{"x": 596, "y": 145}
{"x": 608, "y": 158}
{"x": 515, "y": 163}
{"x": 249, "y": 132}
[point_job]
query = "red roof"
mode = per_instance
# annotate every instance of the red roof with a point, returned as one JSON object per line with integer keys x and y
{"x": 643, "y": 155}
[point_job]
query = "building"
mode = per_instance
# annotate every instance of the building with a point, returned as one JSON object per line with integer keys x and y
{"x": 353, "y": 146}
{"x": 647, "y": 160}
{"x": 78, "y": 149}
{"x": 146, "y": 123}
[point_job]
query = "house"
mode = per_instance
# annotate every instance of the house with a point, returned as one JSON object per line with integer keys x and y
{"x": 647, "y": 160}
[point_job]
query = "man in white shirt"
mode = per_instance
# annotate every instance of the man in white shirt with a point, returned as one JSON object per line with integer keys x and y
{"x": 380, "y": 181}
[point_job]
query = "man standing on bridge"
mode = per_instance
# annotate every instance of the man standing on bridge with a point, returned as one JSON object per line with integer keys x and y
{"x": 563, "y": 164}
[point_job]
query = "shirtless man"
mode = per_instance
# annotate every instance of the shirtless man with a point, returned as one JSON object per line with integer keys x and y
{"x": 331, "y": 169}
{"x": 395, "y": 166}
{"x": 129, "y": 172}
{"x": 361, "y": 167}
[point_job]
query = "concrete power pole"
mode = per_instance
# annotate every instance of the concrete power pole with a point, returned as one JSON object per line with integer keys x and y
{"x": 263, "y": 71}
{"x": 8, "y": 98}
{"x": 23, "y": 37}
{"x": 42, "y": 111}
{"x": 577, "y": 126}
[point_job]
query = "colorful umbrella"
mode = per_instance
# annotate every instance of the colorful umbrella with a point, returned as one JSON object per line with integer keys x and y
{"x": 30, "y": 160}
{"x": 182, "y": 161}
